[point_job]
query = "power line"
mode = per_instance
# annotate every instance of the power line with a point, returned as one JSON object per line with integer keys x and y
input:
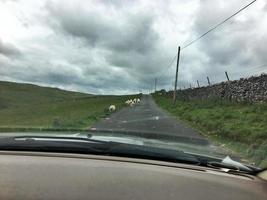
{"x": 165, "y": 70}
{"x": 216, "y": 26}
{"x": 251, "y": 69}
{"x": 169, "y": 66}
{"x": 198, "y": 38}
{"x": 257, "y": 71}
{"x": 249, "y": 74}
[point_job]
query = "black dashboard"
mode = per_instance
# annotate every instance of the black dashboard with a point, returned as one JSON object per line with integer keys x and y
{"x": 34, "y": 175}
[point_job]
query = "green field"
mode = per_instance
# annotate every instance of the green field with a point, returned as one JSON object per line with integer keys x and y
{"x": 26, "y": 106}
{"x": 241, "y": 127}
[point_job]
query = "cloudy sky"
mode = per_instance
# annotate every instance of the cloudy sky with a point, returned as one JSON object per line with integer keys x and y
{"x": 119, "y": 46}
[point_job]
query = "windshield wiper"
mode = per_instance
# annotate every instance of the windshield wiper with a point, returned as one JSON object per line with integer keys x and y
{"x": 56, "y": 139}
{"x": 85, "y": 145}
{"x": 151, "y": 135}
{"x": 53, "y": 144}
{"x": 91, "y": 146}
{"x": 227, "y": 164}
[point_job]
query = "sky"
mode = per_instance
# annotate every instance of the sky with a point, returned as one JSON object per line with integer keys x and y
{"x": 121, "y": 46}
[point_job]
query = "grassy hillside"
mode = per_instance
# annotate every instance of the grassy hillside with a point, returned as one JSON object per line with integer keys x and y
{"x": 239, "y": 126}
{"x": 25, "y": 106}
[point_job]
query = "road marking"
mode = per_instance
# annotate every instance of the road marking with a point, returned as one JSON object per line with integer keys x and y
{"x": 156, "y": 117}
{"x": 142, "y": 119}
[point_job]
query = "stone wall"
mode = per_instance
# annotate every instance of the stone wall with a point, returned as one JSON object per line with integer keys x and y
{"x": 253, "y": 89}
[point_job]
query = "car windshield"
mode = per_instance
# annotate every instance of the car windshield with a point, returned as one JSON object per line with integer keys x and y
{"x": 178, "y": 81}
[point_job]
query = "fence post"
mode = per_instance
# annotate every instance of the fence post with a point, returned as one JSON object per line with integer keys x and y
{"x": 227, "y": 76}
{"x": 208, "y": 80}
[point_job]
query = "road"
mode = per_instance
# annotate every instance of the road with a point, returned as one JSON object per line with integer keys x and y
{"x": 146, "y": 117}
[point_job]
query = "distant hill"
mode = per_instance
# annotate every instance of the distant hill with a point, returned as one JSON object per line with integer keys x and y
{"x": 28, "y": 106}
{"x": 22, "y": 93}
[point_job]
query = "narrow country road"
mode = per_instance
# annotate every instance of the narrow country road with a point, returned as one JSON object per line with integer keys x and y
{"x": 146, "y": 117}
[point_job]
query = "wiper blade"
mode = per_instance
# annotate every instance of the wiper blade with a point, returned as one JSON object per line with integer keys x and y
{"x": 57, "y": 139}
{"x": 226, "y": 164}
{"x": 144, "y": 152}
{"x": 151, "y": 135}
{"x": 86, "y": 145}
{"x": 233, "y": 168}
{"x": 91, "y": 146}
{"x": 53, "y": 144}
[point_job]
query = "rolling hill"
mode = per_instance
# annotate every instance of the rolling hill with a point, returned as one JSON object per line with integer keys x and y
{"x": 27, "y": 106}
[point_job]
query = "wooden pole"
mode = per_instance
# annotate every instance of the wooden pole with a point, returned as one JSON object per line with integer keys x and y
{"x": 226, "y": 74}
{"x": 208, "y": 80}
{"x": 155, "y": 85}
{"x": 176, "y": 75}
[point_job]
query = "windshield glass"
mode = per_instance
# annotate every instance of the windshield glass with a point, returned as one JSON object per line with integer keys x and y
{"x": 158, "y": 76}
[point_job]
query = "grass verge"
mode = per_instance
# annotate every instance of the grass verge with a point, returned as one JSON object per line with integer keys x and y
{"x": 25, "y": 107}
{"x": 241, "y": 127}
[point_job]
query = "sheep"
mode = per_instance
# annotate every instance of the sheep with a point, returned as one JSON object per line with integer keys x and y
{"x": 128, "y": 102}
{"x": 132, "y": 102}
{"x": 112, "y": 108}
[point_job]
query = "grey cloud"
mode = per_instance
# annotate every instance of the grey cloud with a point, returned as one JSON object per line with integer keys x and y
{"x": 122, "y": 46}
{"x": 69, "y": 77}
{"x": 8, "y": 1}
{"x": 8, "y": 49}
{"x": 130, "y": 43}
{"x": 117, "y": 3}
{"x": 234, "y": 47}
{"x": 133, "y": 32}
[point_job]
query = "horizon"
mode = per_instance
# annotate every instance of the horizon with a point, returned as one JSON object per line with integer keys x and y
{"x": 159, "y": 89}
{"x": 122, "y": 52}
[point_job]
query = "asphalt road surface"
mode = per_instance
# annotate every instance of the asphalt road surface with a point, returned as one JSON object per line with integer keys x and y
{"x": 146, "y": 117}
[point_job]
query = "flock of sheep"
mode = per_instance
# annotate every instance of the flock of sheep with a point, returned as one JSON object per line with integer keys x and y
{"x": 129, "y": 102}
{"x": 132, "y": 102}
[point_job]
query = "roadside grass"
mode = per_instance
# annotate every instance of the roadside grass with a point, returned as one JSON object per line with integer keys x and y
{"x": 240, "y": 127}
{"x": 28, "y": 107}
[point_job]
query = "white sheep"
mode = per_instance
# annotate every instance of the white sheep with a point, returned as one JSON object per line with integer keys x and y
{"x": 112, "y": 108}
{"x": 128, "y": 102}
{"x": 132, "y": 104}
{"x": 138, "y": 100}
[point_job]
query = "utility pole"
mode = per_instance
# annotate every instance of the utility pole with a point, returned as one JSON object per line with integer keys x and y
{"x": 208, "y": 80}
{"x": 176, "y": 75}
{"x": 226, "y": 74}
{"x": 198, "y": 83}
{"x": 155, "y": 85}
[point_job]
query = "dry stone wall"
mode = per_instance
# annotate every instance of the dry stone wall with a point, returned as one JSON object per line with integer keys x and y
{"x": 253, "y": 89}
